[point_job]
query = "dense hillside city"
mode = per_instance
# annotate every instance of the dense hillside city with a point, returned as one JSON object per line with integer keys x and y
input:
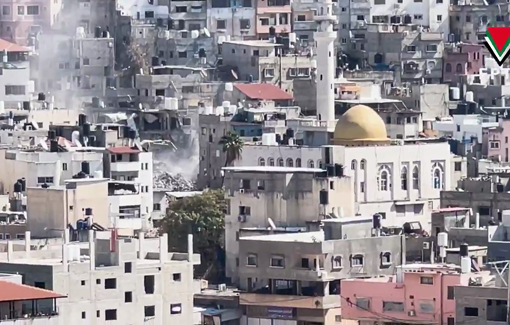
{"x": 254, "y": 162}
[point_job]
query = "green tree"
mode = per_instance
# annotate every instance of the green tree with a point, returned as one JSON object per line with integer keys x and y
{"x": 232, "y": 147}
{"x": 203, "y": 216}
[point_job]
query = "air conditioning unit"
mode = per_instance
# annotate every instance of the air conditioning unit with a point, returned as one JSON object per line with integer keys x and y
{"x": 241, "y": 218}
{"x": 426, "y": 245}
{"x": 411, "y": 313}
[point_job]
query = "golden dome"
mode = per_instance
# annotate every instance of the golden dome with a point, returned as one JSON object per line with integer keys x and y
{"x": 360, "y": 125}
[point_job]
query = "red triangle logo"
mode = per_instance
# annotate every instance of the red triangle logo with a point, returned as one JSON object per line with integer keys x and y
{"x": 500, "y": 36}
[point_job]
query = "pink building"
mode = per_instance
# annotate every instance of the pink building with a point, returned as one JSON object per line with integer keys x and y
{"x": 461, "y": 60}
{"x": 498, "y": 140}
{"x": 419, "y": 293}
{"x": 21, "y": 18}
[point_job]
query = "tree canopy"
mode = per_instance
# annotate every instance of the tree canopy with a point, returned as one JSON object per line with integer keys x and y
{"x": 232, "y": 146}
{"x": 203, "y": 216}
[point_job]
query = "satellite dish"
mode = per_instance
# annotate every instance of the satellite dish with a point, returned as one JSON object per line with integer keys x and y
{"x": 206, "y": 32}
{"x": 43, "y": 144}
{"x": 271, "y": 223}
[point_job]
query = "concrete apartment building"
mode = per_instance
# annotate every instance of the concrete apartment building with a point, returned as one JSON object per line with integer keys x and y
{"x": 465, "y": 59}
{"x": 23, "y": 20}
{"x": 273, "y": 13}
{"x": 289, "y": 196}
{"x": 465, "y": 128}
{"x": 16, "y": 85}
{"x": 232, "y": 19}
{"x": 297, "y": 276}
{"x": 469, "y": 19}
{"x": 128, "y": 280}
{"x": 131, "y": 189}
{"x": 260, "y": 61}
{"x": 482, "y": 304}
{"x": 423, "y": 293}
{"x": 497, "y": 143}
{"x": 488, "y": 88}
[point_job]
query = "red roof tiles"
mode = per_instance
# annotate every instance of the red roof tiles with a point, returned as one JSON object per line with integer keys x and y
{"x": 11, "y": 47}
{"x": 263, "y": 92}
{"x": 10, "y": 291}
{"x": 121, "y": 150}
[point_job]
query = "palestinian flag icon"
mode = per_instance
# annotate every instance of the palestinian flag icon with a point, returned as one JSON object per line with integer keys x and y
{"x": 497, "y": 42}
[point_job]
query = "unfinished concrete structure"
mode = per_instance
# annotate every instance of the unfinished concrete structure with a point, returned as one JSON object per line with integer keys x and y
{"x": 127, "y": 280}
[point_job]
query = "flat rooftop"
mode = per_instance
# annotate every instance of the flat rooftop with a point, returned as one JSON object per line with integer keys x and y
{"x": 302, "y": 237}
{"x": 272, "y": 169}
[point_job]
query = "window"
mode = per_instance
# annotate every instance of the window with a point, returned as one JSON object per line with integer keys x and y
{"x": 64, "y": 166}
{"x": 98, "y": 313}
{"x": 385, "y": 259}
{"x": 83, "y": 315}
{"x": 416, "y": 178}
{"x": 98, "y": 281}
{"x": 301, "y": 18}
{"x": 6, "y": 10}
{"x": 379, "y": 2}
{"x": 427, "y": 307}
{"x": 290, "y": 162}
{"x": 363, "y": 303}
{"x": 14, "y": 90}
{"x": 383, "y": 179}
{"x": 427, "y": 280}
{"x": 40, "y": 285}
{"x": 280, "y": 162}
{"x": 471, "y": 311}
{"x": 298, "y": 162}
{"x": 494, "y": 144}
{"x": 221, "y": 24}
{"x": 458, "y": 68}
{"x": 418, "y": 17}
{"x": 450, "y": 321}
{"x": 262, "y": 162}
{"x": 251, "y": 260}
{"x": 128, "y": 296}
{"x": 270, "y": 162}
{"x": 437, "y": 176}
{"x": 150, "y": 311}
{"x": 82, "y": 282}
{"x": 360, "y": 17}
{"x": 21, "y": 10}
{"x": 128, "y": 267}
{"x": 432, "y": 48}
{"x": 411, "y": 48}
{"x": 448, "y": 67}
{"x": 403, "y": 179}
{"x": 439, "y": 18}
{"x": 110, "y": 314}
{"x": 42, "y": 180}
{"x": 33, "y": 10}
{"x": 183, "y": 54}
{"x": 311, "y": 164}
{"x": 353, "y": 164}
{"x": 319, "y": 163}
{"x": 110, "y": 283}
{"x": 156, "y": 207}
{"x": 268, "y": 73}
{"x": 148, "y": 283}
{"x": 336, "y": 261}
{"x": 175, "y": 309}
{"x": 393, "y": 305}
{"x": 357, "y": 260}
{"x": 458, "y": 166}
{"x": 277, "y": 261}
{"x": 451, "y": 293}
{"x": 244, "y": 23}
{"x": 362, "y": 164}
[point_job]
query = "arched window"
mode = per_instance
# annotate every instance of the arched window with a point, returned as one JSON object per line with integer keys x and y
{"x": 290, "y": 162}
{"x": 319, "y": 163}
{"x": 298, "y": 162}
{"x": 459, "y": 68}
{"x": 270, "y": 162}
{"x": 383, "y": 179}
{"x": 280, "y": 162}
{"x": 448, "y": 67}
{"x": 262, "y": 161}
{"x": 403, "y": 178}
{"x": 437, "y": 176}
{"x": 311, "y": 164}
{"x": 416, "y": 178}
{"x": 353, "y": 164}
{"x": 362, "y": 164}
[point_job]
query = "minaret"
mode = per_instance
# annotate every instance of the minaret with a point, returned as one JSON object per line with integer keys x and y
{"x": 324, "y": 38}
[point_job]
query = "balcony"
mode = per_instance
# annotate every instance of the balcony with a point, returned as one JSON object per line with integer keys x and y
{"x": 290, "y": 301}
{"x": 305, "y": 25}
{"x": 264, "y": 29}
{"x": 128, "y": 166}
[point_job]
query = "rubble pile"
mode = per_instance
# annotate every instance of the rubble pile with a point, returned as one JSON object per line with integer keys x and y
{"x": 174, "y": 183}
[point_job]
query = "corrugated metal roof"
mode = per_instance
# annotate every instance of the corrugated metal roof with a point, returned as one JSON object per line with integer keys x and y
{"x": 263, "y": 92}
{"x": 10, "y": 291}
